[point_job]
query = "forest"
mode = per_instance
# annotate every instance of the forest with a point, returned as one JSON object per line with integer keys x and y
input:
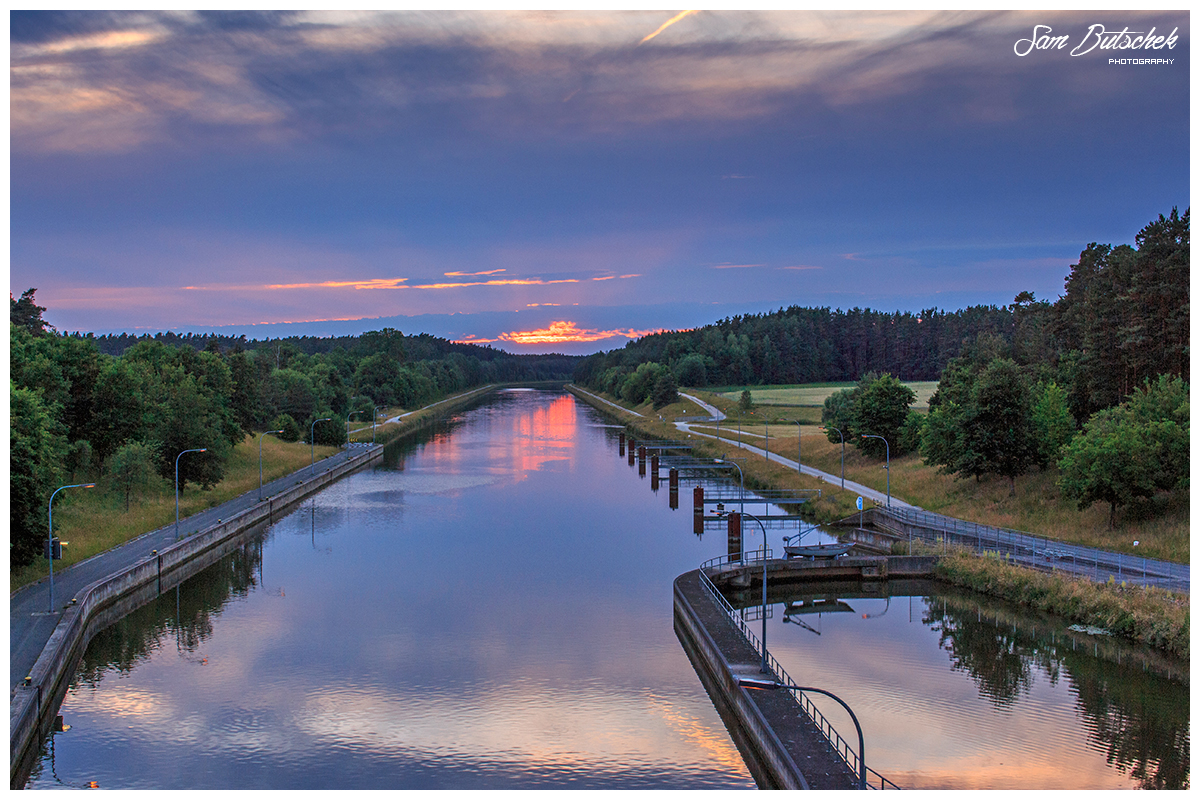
{"x": 1094, "y": 384}
{"x": 111, "y": 409}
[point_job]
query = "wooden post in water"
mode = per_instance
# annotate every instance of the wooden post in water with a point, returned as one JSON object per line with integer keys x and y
{"x": 735, "y": 536}
{"x": 698, "y": 510}
{"x": 673, "y": 484}
{"x": 621, "y": 444}
{"x": 632, "y": 445}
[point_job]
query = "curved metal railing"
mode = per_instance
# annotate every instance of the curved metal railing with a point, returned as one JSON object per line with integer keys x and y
{"x": 848, "y": 754}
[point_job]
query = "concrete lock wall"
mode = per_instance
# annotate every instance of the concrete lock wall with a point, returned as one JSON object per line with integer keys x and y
{"x": 766, "y": 757}
{"x": 31, "y": 703}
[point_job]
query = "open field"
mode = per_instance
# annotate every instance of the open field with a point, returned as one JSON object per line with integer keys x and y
{"x": 814, "y": 394}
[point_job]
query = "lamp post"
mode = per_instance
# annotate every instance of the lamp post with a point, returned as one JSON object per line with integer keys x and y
{"x": 374, "y": 416}
{"x": 50, "y": 537}
{"x": 799, "y": 435}
{"x": 888, "y": 465}
{"x": 348, "y": 416}
{"x": 260, "y": 438}
{"x": 764, "y": 667}
{"x": 758, "y": 683}
{"x": 197, "y": 450}
{"x": 311, "y": 445}
{"x": 843, "y": 438}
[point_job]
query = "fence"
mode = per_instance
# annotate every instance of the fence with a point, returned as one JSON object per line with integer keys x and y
{"x": 847, "y": 753}
{"x": 1033, "y": 550}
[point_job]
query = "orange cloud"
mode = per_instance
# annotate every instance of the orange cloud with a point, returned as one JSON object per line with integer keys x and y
{"x": 561, "y": 331}
{"x": 472, "y": 274}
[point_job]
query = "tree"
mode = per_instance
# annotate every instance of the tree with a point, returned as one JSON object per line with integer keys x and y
{"x": 1131, "y": 451}
{"x": 880, "y": 408}
{"x": 838, "y": 412}
{"x": 999, "y": 424}
{"x": 27, "y": 314}
{"x": 665, "y": 391}
{"x": 36, "y": 448}
{"x": 289, "y": 429}
{"x": 131, "y": 466}
{"x": 1111, "y": 461}
{"x": 746, "y": 402}
{"x": 1053, "y": 425}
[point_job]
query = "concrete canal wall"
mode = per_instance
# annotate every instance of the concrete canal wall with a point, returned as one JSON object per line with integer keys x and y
{"x": 34, "y": 703}
{"x": 781, "y": 746}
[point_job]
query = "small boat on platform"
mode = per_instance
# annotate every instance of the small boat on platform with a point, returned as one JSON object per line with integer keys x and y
{"x": 817, "y": 550}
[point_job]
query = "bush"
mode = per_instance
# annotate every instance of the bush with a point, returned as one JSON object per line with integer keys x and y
{"x": 289, "y": 429}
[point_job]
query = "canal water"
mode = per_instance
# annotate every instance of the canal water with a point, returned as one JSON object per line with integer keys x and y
{"x": 491, "y": 607}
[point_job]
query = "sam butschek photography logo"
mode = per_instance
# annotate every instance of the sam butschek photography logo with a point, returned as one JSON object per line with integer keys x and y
{"x": 1131, "y": 45}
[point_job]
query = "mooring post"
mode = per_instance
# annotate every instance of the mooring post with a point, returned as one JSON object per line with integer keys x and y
{"x": 735, "y": 536}
{"x": 698, "y": 510}
{"x": 621, "y": 443}
{"x": 673, "y": 480}
{"x": 632, "y": 445}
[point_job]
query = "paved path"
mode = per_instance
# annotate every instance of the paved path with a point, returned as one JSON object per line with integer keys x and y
{"x": 30, "y": 618}
{"x": 606, "y": 402}
{"x": 866, "y": 491}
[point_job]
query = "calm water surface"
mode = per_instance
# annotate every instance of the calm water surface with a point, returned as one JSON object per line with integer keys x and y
{"x": 491, "y": 608}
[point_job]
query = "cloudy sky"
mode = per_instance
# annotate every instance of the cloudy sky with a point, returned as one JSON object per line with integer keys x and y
{"x": 589, "y": 175}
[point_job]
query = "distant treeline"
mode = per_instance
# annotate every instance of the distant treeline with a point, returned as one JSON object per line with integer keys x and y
{"x": 119, "y": 409}
{"x": 1123, "y": 319}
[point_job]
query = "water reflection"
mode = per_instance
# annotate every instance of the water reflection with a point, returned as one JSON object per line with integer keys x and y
{"x": 478, "y": 612}
{"x": 1047, "y": 707}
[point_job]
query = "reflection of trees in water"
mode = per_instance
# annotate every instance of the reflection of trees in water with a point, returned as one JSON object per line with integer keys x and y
{"x": 1142, "y": 724}
{"x": 184, "y": 616}
{"x": 1138, "y": 718}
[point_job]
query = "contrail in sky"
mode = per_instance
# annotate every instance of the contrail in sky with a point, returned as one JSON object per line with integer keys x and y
{"x": 668, "y": 24}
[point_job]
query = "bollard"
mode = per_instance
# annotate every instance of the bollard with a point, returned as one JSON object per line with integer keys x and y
{"x": 632, "y": 446}
{"x": 735, "y": 536}
{"x": 654, "y": 464}
{"x": 621, "y": 444}
{"x": 673, "y": 498}
{"x": 673, "y": 481}
{"x": 641, "y": 460}
{"x": 698, "y": 510}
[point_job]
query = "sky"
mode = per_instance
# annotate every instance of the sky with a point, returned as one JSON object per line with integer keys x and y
{"x": 564, "y": 181}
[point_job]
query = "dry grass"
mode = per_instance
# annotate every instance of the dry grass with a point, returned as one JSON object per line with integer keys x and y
{"x": 815, "y": 394}
{"x": 1149, "y": 616}
{"x": 96, "y": 520}
{"x": 1161, "y": 527}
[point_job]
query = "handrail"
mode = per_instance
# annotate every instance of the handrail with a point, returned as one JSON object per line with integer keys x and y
{"x": 1077, "y": 559}
{"x": 840, "y": 746}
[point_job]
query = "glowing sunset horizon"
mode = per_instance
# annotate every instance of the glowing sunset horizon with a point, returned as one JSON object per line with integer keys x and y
{"x": 561, "y": 331}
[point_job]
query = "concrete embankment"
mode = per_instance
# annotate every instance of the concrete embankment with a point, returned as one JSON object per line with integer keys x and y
{"x": 780, "y": 744}
{"x": 34, "y": 703}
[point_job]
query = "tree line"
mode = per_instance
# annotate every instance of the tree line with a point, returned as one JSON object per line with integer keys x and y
{"x": 1094, "y": 384}
{"x": 79, "y": 413}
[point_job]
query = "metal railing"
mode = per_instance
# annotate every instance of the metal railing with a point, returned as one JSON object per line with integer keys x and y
{"x": 848, "y": 754}
{"x": 1026, "y": 548}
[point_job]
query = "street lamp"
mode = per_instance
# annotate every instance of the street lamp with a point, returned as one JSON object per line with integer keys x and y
{"x": 198, "y": 450}
{"x": 843, "y": 438}
{"x": 50, "y": 537}
{"x": 764, "y": 667}
{"x": 374, "y": 416}
{"x": 260, "y": 438}
{"x": 348, "y": 416}
{"x": 311, "y": 446}
{"x": 887, "y": 467}
{"x": 759, "y": 683}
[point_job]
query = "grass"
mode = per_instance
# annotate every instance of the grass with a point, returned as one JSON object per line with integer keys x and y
{"x": 814, "y": 394}
{"x": 1160, "y": 526}
{"x": 95, "y": 520}
{"x": 1145, "y": 615}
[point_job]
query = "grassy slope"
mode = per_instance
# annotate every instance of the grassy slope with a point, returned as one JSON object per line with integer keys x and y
{"x": 95, "y": 520}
